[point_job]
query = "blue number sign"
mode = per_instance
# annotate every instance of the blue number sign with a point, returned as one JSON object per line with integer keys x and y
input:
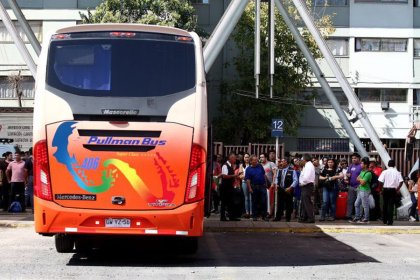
{"x": 277, "y": 128}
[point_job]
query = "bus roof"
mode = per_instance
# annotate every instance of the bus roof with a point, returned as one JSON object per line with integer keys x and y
{"x": 123, "y": 27}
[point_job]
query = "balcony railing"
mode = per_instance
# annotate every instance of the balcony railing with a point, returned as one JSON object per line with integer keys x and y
{"x": 8, "y": 93}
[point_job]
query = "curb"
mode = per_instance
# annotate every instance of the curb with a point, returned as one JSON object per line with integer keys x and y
{"x": 261, "y": 230}
{"x": 15, "y": 224}
{"x": 316, "y": 230}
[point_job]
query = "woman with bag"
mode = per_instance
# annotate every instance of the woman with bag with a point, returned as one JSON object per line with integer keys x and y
{"x": 329, "y": 178}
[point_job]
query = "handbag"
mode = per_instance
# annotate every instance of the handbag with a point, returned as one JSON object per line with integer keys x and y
{"x": 371, "y": 201}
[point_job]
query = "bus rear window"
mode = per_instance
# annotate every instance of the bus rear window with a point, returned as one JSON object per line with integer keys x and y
{"x": 126, "y": 67}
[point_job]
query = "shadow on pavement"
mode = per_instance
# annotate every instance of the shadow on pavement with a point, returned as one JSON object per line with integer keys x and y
{"x": 227, "y": 249}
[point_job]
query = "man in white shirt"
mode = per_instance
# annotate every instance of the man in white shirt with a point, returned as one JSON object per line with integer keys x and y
{"x": 227, "y": 188}
{"x": 392, "y": 182}
{"x": 306, "y": 182}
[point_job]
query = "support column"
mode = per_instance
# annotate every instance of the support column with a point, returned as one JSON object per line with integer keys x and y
{"x": 222, "y": 32}
{"x": 272, "y": 45}
{"x": 25, "y": 26}
{"x": 257, "y": 47}
{"x": 17, "y": 40}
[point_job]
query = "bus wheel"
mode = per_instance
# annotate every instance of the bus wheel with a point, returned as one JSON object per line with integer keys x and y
{"x": 190, "y": 245}
{"x": 63, "y": 243}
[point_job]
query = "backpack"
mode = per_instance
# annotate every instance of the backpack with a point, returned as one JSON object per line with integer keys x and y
{"x": 373, "y": 181}
{"x": 15, "y": 207}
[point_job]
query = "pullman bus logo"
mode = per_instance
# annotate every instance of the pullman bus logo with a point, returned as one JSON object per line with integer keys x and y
{"x": 148, "y": 141}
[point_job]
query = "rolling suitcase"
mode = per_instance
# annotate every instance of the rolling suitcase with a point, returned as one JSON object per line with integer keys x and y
{"x": 341, "y": 205}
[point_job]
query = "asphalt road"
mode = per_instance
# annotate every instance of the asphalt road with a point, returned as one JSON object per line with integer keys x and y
{"x": 26, "y": 255}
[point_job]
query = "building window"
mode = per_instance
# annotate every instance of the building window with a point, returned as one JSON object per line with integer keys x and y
{"x": 36, "y": 26}
{"x": 323, "y": 144}
{"x": 338, "y": 46}
{"x": 329, "y": 3}
{"x": 380, "y": 45}
{"x": 416, "y": 47}
{"x": 380, "y": 1}
{"x": 200, "y": 1}
{"x": 319, "y": 99}
{"x": 416, "y": 97}
{"x": 88, "y": 4}
{"x": 382, "y": 94}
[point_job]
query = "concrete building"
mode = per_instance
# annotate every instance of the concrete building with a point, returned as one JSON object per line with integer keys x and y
{"x": 377, "y": 44}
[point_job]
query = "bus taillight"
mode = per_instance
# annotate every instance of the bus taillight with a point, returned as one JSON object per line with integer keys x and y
{"x": 60, "y": 36}
{"x": 122, "y": 34}
{"x": 184, "y": 38}
{"x": 195, "y": 185}
{"x": 42, "y": 186}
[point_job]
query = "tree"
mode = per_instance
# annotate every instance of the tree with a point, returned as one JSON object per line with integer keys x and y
{"x": 15, "y": 81}
{"x": 174, "y": 13}
{"x": 240, "y": 112}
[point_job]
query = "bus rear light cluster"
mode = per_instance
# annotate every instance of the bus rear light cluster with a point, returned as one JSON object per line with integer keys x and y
{"x": 184, "y": 38}
{"x": 122, "y": 34}
{"x": 60, "y": 36}
{"x": 193, "y": 186}
{"x": 42, "y": 186}
{"x": 195, "y": 183}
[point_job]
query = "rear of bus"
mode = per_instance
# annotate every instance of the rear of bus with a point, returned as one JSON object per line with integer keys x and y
{"x": 120, "y": 134}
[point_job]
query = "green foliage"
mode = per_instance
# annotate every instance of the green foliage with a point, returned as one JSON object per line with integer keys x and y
{"x": 174, "y": 13}
{"x": 246, "y": 119}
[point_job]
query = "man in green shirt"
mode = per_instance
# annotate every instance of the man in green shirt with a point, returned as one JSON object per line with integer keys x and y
{"x": 363, "y": 192}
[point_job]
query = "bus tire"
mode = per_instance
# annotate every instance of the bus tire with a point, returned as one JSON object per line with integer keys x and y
{"x": 190, "y": 245}
{"x": 63, "y": 243}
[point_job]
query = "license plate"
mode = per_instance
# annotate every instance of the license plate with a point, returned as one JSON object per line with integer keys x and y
{"x": 117, "y": 223}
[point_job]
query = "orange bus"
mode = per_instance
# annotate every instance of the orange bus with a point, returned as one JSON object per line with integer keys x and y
{"x": 120, "y": 134}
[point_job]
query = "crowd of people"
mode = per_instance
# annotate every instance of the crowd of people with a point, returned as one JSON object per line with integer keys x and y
{"x": 16, "y": 181}
{"x": 299, "y": 188}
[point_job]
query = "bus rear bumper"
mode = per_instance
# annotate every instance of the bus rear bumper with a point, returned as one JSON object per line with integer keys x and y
{"x": 186, "y": 220}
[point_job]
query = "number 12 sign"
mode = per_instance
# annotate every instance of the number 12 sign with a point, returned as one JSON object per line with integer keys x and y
{"x": 277, "y": 128}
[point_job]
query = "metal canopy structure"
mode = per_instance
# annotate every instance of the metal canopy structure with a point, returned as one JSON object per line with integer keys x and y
{"x": 25, "y": 26}
{"x": 219, "y": 38}
{"x": 230, "y": 19}
{"x": 18, "y": 40}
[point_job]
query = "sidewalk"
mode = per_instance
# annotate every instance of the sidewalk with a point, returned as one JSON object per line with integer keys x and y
{"x": 14, "y": 220}
{"x": 213, "y": 224}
